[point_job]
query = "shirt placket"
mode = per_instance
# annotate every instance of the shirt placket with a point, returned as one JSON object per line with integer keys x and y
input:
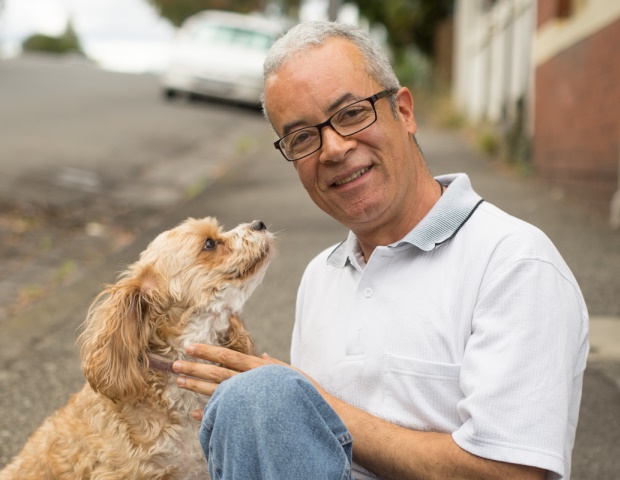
{"x": 364, "y": 305}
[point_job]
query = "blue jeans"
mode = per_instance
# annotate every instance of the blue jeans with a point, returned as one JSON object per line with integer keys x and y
{"x": 271, "y": 423}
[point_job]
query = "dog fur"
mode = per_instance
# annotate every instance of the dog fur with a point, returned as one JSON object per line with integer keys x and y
{"x": 130, "y": 421}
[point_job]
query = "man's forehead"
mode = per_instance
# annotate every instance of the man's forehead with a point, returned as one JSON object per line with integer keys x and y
{"x": 319, "y": 63}
{"x": 315, "y": 84}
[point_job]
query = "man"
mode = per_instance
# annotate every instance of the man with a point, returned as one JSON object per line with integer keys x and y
{"x": 444, "y": 337}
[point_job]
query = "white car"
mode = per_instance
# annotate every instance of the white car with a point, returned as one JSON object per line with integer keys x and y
{"x": 221, "y": 54}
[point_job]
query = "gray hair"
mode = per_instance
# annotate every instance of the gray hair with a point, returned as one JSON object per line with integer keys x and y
{"x": 305, "y": 36}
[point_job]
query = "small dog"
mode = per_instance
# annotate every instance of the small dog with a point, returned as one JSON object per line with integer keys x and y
{"x": 130, "y": 421}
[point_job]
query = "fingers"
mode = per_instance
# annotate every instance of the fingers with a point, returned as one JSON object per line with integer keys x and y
{"x": 199, "y": 377}
{"x": 231, "y": 359}
{"x": 196, "y": 385}
{"x": 275, "y": 361}
{"x": 204, "y": 378}
{"x": 203, "y": 371}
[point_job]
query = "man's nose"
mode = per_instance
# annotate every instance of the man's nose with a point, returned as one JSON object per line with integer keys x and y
{"x": 335, "y": 146}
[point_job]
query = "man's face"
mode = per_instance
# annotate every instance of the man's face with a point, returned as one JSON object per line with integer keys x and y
{"x": 361, "y": 180}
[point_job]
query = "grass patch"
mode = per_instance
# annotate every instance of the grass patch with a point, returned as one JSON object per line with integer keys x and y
{"x": 64, "y": 270}
{"x": 489, "y": 143}
{"x": 46, "y": 243}
{"x": 245, "y": 145}
{"x": 196, "y": 188}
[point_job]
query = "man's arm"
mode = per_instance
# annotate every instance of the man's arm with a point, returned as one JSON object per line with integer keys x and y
{"x": 391, "y": 451}
{"x": 388, "y": 450}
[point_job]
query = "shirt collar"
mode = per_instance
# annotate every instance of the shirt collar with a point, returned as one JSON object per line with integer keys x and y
{"x": 440, "y": 224}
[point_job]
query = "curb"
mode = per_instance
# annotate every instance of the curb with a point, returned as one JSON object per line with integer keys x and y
{"x": 604, "y": 335}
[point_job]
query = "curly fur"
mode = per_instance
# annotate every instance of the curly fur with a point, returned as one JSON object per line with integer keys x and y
{"x": 130, "y": 422}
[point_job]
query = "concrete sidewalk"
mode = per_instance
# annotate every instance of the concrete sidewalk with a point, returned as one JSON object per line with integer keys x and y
{"x": 604, "y": 338}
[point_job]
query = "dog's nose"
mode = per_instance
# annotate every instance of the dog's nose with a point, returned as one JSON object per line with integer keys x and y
{"x": 258, "y": 226}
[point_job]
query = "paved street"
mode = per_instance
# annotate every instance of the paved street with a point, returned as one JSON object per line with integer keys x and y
{"x": 39, "y": 366}
{"x": 89, "y": 157}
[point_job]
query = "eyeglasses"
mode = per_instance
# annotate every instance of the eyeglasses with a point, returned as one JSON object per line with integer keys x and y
{"x": 346, "y": 122}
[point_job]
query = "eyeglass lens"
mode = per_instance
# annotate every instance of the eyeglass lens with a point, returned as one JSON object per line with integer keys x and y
{"x": 347, "y": 121}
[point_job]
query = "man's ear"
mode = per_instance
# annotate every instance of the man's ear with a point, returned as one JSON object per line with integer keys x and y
{"x": 404, "y": 106}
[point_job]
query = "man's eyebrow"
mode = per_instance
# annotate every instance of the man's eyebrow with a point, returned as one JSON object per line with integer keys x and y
{"x": 339, "y": 102}
{"x": 289, "y": 127}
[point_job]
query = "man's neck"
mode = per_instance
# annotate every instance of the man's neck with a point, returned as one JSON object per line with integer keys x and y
{"x": 388, "y": 234}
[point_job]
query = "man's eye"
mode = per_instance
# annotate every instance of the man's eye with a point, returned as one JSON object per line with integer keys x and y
{"x": 356, "y": 113}
{"x": 353, "y": 112}
{"x": 210, "y": 244}
{"x": 302, "y": 138}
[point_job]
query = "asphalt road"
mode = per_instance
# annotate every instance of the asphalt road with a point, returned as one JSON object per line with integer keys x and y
{"x": 39, "y": 366}
{"x": 69, "y": 126}
{"x": 89, "y": 157}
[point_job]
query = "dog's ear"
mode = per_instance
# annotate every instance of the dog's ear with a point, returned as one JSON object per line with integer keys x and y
{"x": 116, "y": 335}
{"x": 237, "y": 338}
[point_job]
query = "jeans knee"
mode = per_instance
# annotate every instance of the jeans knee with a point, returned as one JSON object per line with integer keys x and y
{"x": 258, "y": 393}
{"x": 266, "y": 387}
{"x": 271, "y": 422}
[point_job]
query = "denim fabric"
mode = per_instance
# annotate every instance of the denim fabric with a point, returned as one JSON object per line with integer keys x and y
{"x": 271, "y": 423}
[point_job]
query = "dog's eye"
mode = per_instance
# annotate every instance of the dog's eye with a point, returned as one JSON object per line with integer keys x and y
{"x": 210, "y": 244}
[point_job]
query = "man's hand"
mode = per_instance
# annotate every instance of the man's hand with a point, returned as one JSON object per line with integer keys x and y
{"x": 204, "y": 378}
{"x": 389, "y": 450}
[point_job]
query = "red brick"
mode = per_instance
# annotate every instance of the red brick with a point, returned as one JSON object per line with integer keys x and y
{"x": 577, "y": 117}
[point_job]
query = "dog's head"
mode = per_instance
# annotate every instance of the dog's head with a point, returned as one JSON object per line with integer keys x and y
{"x": 188, "y": 286}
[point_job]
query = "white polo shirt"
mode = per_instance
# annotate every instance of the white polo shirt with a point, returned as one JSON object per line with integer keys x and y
{"x": 472, "y": 324}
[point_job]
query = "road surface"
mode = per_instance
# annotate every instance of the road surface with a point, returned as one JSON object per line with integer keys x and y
{"x": 106, "y": 165}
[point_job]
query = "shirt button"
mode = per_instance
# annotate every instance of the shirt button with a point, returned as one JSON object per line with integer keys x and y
{"x": 368, "y": 292}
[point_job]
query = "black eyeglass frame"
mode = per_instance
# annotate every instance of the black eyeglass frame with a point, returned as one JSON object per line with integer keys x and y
{"x": 319, "y": 126}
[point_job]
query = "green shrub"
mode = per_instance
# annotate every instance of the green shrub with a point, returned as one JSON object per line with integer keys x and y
{"x": 66, "y": 43}
{"x": 489, "y": 143}
{"x": 412, "y": 68}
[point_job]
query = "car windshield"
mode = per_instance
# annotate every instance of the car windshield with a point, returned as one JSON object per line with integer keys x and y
{"x": 225, "y": 34}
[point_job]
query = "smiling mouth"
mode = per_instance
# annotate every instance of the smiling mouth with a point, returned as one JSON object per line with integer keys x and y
{"x": 352, "y": 177}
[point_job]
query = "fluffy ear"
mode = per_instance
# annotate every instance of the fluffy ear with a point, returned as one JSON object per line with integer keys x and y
{"x": 237, "y": 338}
{"x": 115, "y": 339}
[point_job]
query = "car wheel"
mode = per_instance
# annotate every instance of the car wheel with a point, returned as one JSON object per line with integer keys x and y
{"x": 170, "y": 93}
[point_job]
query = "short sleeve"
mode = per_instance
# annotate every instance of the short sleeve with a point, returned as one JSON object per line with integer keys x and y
{"x": 523, "y": 365}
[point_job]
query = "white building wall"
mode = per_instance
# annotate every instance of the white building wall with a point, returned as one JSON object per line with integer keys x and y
{"x": 492, "y": 62}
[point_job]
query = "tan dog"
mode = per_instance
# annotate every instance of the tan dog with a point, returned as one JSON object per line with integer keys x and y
{"x": 130, "y": 421}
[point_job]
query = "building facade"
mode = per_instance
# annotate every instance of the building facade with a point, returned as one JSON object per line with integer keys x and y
{"x": 548, "y": 71}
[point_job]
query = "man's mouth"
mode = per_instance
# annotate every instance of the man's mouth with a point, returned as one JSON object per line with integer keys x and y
{"x": 352, "y": 177}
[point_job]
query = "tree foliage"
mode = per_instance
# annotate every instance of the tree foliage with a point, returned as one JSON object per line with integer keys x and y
{"x": 178, "y": 10}
{"x": 66, "y": 43}
{"x": 408, "y": 21}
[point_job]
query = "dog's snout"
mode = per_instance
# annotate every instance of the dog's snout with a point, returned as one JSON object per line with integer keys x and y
{"x": 258, "y": 226}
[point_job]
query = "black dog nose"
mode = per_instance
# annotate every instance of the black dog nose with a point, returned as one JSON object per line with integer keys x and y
{"x": 258, "y": 226}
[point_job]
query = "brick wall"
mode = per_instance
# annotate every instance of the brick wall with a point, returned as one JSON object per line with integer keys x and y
{"x": 577, "y": 118}
{"x": 550, "y": 9}
{"x": 547, "y": 10}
